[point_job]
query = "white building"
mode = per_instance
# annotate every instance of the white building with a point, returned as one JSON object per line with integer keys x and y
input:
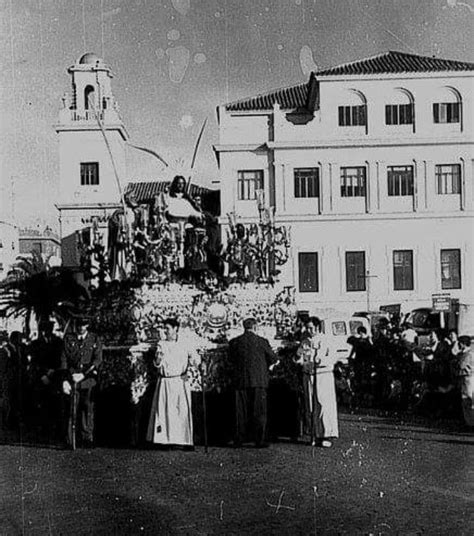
{"x": 371, "y": 164}
{"x": 87, "y": 178}
{"x": 8, "y": 252}
{"x": 8, "y": 246}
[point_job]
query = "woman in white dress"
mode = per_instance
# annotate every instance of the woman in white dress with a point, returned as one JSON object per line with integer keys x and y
{"x": 315, "y": 357}
{"x": 171, "y": 421}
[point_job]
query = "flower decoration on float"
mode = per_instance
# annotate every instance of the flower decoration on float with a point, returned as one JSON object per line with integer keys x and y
{"x": 256, "y": 251}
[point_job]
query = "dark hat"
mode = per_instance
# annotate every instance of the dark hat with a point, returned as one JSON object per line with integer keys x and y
{"x": 249, "y": 323}
{"x": 82, "y": 319}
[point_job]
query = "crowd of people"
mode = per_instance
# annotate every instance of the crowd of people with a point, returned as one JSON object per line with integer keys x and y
{"x": 395, "y": 369}
{"x": 51, "y": 382}
{"x": 47, "y": 384}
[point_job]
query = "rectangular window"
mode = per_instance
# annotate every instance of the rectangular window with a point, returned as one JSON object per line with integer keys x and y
{"x": 353, "y": 182}
{"x": 450, "y": 268}
{"x": 89, "y": 173}
{"x": 352, "y": 116}
{"x": 403, "y": 269}
{"x": 248, "y": 182}
{"x": 400, "y": 180}
{"x": 448, "y": 179}
{"x": 308, "y": 272}
{"x": 306, "y": 182}
{"x": 398, "y": 114}
{"x": 446, "y": 112}
{"x": 355, "y": 271}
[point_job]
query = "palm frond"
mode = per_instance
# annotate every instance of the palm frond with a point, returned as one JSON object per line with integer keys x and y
{"x": 32, "y": 286}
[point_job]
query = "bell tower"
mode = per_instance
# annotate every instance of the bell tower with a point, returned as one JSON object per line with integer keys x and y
{"x": 88, "y": 186}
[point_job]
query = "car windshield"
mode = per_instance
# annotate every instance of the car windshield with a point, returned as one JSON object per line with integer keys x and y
{"x": 353, "y": 325}
{"x": 419, "y": 318}
{"x": 339, "y": 328}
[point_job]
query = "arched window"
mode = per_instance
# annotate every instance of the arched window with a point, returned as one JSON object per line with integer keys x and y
{"x": 354, "y": 110}
{"x": 400, "y": 109}
{"x": 89, "y": 98}
{"x": 447, "y": 106}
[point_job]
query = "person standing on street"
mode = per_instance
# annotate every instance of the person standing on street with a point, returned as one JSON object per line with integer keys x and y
{"x": 314, "y": 356}
{"x": 5, "y": 381}
{"x": 171, "y": 417}
{"x": 464, "y": 378}
{"x": 45, "y": 352}
{"x": 251, "y": 357}
{"x": 80, "y": 360}
{"x": 362, "y": 362}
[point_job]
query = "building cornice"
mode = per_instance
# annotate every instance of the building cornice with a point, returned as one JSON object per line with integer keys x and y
{"x": 85, "y": 126}
{"x": 392, "y": 76}
{"x": 338, "y": 144}
{"x": 233, "y": 147}
{"x": 87, "y": 206}
{"x": 291, "y": 218}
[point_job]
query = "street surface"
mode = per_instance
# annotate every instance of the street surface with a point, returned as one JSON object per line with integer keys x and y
{"x": 383, "y": 476}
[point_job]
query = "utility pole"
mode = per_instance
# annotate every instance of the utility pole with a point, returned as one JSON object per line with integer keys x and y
{"x": 12, "y": 198}
{"x": 367, "y": 278}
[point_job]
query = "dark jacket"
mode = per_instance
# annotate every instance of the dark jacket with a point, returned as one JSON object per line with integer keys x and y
{"x": 250, "y": 356}
{"x": 82, "y": 356}
{"x": 45, "y": 355}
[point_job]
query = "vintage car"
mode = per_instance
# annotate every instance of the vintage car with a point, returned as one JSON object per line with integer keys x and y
{"x": 425, "y": 319}
{"x": 374, "y": 317}
{"x": 339, "y": 328}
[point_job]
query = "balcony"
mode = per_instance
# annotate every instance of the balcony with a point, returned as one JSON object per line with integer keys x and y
{"x": 86, "y": 115}
{"x": 79, "y": 118}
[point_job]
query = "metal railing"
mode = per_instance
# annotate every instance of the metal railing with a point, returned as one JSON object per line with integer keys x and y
{"x": 86, "y": 115}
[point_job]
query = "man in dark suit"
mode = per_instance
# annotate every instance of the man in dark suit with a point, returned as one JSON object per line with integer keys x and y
{"x": 250, "y": 357}
{"x": 80, "y": 360}
{"x": 45, "y": 352}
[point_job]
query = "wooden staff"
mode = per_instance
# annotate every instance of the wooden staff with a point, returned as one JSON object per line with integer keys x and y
{"x": 196, "y": 147}
{"x": 73, "y": 415}
{"x": 74, "y": 395}
{"x": 204, "y": 406}
{"x": 107, "y": 144}
{"x": 313, "y": 399}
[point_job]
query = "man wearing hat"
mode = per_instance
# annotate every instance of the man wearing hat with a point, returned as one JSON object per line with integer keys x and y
{"x": 45, "y": 352}
{"x": 250, "y": 357}
{"x": 80, "y": 360}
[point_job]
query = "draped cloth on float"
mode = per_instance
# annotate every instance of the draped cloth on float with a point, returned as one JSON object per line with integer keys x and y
{"x": 171, "y": 413}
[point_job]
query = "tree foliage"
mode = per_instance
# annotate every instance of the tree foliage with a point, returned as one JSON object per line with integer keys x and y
{"x": 33, "y": 287}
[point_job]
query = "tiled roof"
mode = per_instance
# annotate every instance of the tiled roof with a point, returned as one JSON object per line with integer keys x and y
{"x": 397, "y": 62}
{"x": 305, "y": 96}
{"x": 289, "y": 98}
{"x": 145, "y": 192}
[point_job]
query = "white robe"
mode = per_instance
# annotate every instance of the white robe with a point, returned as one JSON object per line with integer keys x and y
{"x": 325, "y": 411}
{"x": 171, "y": 421}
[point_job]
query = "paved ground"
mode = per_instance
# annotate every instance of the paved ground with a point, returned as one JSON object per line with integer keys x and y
{"x": 382, "y": 477}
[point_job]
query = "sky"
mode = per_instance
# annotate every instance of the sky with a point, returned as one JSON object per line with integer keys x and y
{"x": 175, "y": 61}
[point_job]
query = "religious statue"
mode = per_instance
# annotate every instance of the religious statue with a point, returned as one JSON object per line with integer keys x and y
{"x": 187, "y": 219}
{"x": 170, "y": 238}
{"x": 181, "y": 208}
{"x": 121, "y": 235}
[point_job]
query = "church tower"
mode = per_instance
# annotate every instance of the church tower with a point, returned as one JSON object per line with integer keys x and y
{"x": 88, "y": 188}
